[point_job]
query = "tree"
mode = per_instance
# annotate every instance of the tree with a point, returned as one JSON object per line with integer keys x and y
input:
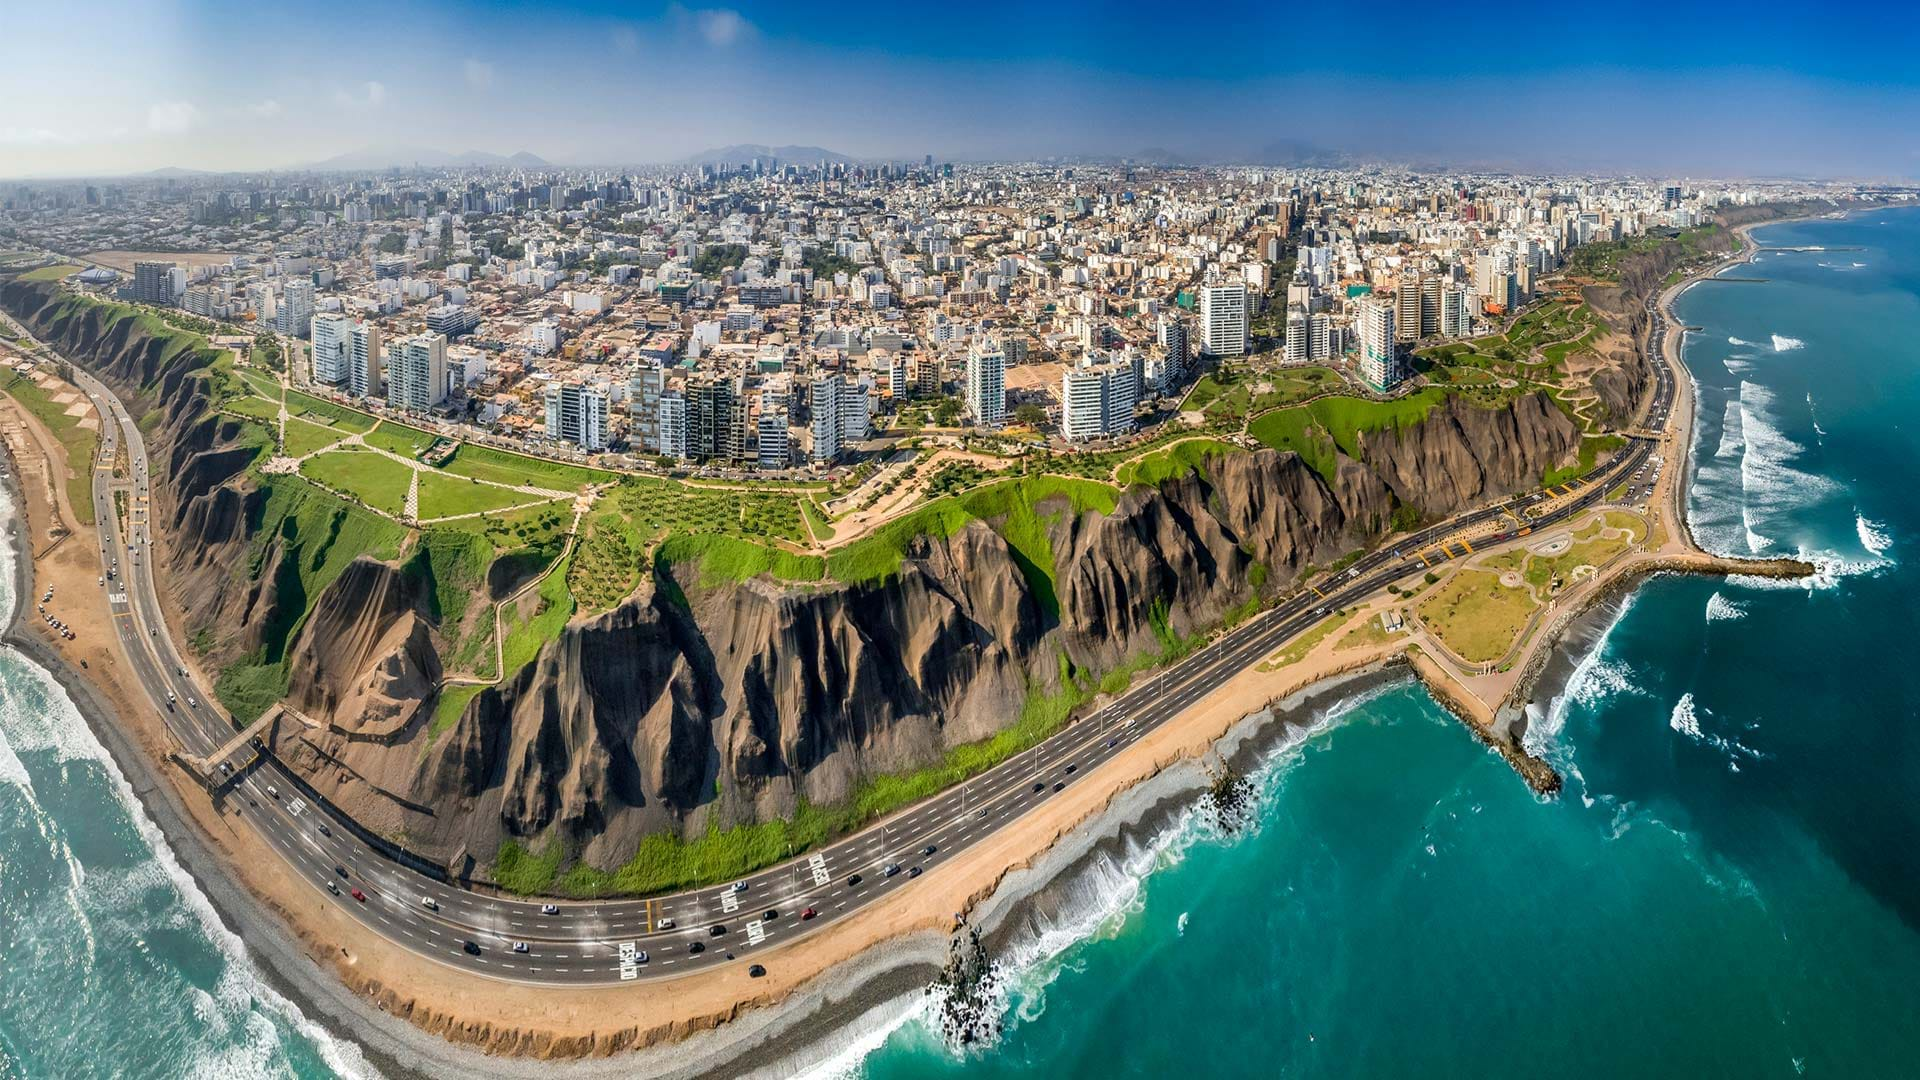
{"x": 393, "y": 243}
{"x": 1030, "y": 414}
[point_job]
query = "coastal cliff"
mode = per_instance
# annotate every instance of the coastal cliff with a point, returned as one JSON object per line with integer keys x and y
{"x": 695, "y": 704}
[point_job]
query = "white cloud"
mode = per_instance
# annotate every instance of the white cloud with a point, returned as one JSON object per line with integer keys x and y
{"x": 479, "y": 74}
{"x": 720, "y": 27}
{"x": 172, "y": 117}
{"x": 372, "y": 95}
{"x": 266, "y": 110}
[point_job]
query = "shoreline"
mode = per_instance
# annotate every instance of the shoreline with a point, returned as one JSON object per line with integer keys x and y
{"x": 824, "y": 1004}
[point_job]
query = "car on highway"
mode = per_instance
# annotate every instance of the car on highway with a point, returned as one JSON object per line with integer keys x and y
{"x": 695, "y": 948}
{"x": 360, "y": 896}
{"x": 810, "y": 913}
{"x": 892, "y": 869}
{"x": 739, "y": 886}
{"x": 913, "y": 872}
{"x": 549, "y": 909}
{"x": 333, "y": 887}
{"x": 1038, "y": 787}
{"x": 852, "y": 880}
{"x": 1060, "y": 785}
{"x": 324, "y": 830}
{"x": 520, "y": 946}
{"x": 640, "y": 957}
{"x": 273, "y": 792}
{"x": 430, "y": 903}
{"x": 663, "y": 924}
{"x": 717, "y": 930}
{"x": 1071, "y": 767}
{"x": 770, "y": 915}
{"x": 341, "y": 870}
{"x": 472, "y": 948}
{"x": 929, "y": 849}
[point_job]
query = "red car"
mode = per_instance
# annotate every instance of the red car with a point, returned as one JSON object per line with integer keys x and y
{"x": 808, "y": 914}
{"x": 360, "y": 896}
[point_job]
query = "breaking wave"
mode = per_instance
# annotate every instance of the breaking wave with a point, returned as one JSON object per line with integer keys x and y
{"x": 1742, "y": 342}
{"x": 1782, "y": 343}
{"x": 1732, "y": 438}
{"x": 1873, "y": 535}
{"x": 1684, "y": 719}
{"x": 1721, "y": 609}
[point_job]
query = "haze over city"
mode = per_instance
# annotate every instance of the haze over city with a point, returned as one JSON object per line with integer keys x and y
{"x": 1773, "y": 90}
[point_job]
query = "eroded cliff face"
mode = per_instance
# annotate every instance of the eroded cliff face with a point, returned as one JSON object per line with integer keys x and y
{"x": 693, "y": 705}
{"x": 749, "y": 698}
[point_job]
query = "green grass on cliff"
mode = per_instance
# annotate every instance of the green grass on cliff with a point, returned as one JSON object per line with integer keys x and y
{"x": 80, "y": 443}
{"x": 503, "y": 467}
{"x": 1315, "y": 430}
{"x": 316, "y": 535}
{"x": 56, "y": 272}
{"x": 1156, "y": 468}
{"x": 378, "y": 481}
{"x": 1591, "y": 447}
{"x": 666, "y": 862}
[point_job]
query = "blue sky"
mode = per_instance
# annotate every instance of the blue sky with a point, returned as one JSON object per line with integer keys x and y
{"x": 1675, "y": 88}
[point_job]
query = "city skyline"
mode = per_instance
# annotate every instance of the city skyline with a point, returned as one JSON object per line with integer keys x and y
{"x": 1655, "y": 90}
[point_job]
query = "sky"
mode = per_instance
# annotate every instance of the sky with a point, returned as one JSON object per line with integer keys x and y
{"x": 1669, "y": 89}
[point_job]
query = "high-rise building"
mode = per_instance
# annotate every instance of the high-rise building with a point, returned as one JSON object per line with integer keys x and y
{"x": 672, "y": 419}
{"x": 152, "y": 282}
{"x": 1173, "y": 339}
{"x": 366, "y": 372}
{"x": 1296, "y": 348}
{"x": 296, "y": 308}
{"x": 1456, "y": 311}
{"x": 330, "y": 332}
{"x": 1320, "y": 336}
{"x": 1223, "y": 318}
{"x": 1097, "y": 399}
{"x": 644, "y": 390}
{"x": 417, "y": 372}
{"x": 1379, "y": 348}
{"x": 1429, "y": 306}
{"x": 772, "y": 450}
{"x": 841, "y": 415}
{"x": 987, "y": 385}
{"x": 1406, "y": 314}
{"x": 452, "y": 320}
{"x": 710, "y": 421}
{"x": 577, "y": 413}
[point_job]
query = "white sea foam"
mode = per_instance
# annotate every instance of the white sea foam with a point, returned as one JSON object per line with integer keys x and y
{"x": 1180, "y": 925}
{"x": 12, "y": 771}
{"x": 1595, "y": 678}
{"x": 1685, "y": 719}
{"x": 1768, "y": 479}
{"x": 1737, "y": 364}
{"x": 1732, "y": 438}
{"x": 1721, "y": 609}
{"x": 37, "y": 715}
{"x": 1782, "y": 343}
{"x": 1813, "y": 418}
{"x": 1742, "y": 342}
{"x": 1873, "y": 535}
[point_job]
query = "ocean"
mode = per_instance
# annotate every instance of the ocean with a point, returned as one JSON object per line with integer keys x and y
{"x": 112, "y": 962}
{"x": 1727, "y": 886}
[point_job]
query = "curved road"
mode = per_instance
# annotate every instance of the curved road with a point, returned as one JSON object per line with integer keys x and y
{"x": 627, "y": 940}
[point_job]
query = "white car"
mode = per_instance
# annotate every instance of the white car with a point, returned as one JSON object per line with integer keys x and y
{"x": 663, "y": 924}
{"x": 520, "y": 946}
{"x": 430, "y": 903}
{"x": 739, "y": 886}
{"x": 549, "y": 909}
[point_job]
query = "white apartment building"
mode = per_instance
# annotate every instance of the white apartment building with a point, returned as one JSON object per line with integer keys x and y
{"x": 1379, "y": 354}
{"x": 672, "y": 420}
{"x": 1097, "y": 400}
{"x": 366, "y": 373}
{"x": 772, "y": 448}
{"x": 329, "y": 332}
{"x": 577, "y": 413}
{"x": 417, "y": 372}
{"x": 1223, "y": 319}
{"x": 987, "y": 385}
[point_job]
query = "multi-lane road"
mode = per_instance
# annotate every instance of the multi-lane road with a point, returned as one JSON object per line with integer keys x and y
{"x": 628, "y": 940}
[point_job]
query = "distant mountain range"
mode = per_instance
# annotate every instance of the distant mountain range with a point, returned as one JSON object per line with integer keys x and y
{"x": 744, "y": 153}
{"x": 404, "y": 157}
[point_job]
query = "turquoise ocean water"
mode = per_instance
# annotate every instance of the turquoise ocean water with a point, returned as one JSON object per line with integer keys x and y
{"x": 1730, "y": 885}
{"x": 112, "y": 963}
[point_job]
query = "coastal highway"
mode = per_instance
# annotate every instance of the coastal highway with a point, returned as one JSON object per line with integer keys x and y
{"x": 628, "y": 940}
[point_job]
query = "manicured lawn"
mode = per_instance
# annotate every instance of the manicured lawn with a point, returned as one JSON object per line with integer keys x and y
{"x": 380, "y": 482}
{"x": 326, "y": 412}
{"x": 304, "y": 438}
{"x": 1476, "y": 616}
{"x": 445, "y": 496}
{"x": 501, "y": 467}
{"x": 255, "y": 408}
{"x": 399, "y": 439}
